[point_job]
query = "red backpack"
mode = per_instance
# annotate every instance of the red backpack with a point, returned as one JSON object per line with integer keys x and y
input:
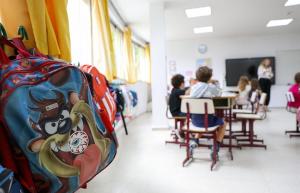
{"x": 104, "y": 100}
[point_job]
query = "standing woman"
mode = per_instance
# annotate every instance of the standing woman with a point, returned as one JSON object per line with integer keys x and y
{"x": 265, "y": 74}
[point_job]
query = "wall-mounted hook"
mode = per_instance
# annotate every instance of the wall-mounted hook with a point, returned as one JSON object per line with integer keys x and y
{"x": 22, "y": 32}
{"x": 2, "y": 31}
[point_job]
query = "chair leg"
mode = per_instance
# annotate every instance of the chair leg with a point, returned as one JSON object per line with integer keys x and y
{"x": 291, "y": 136}
{"x": 175, "y": 141}
{"x": 175, "y": 138}
{"x": 254, "y": 140}
{"x": 243, "y": 132}
{"x": 294, "y": 133}
{"x": 214, "y": 161}
{"x": 237, "y": 136}
{"x": 188, "y": 150}
{"x": 251, "y": 139}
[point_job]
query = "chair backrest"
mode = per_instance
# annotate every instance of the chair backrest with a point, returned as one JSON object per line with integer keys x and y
{"x": 167, "y": 98}
{"x": 258, "y": 104}
{"x": 263, "y": 97}
{"x": 290, "y": 97}
{"x": 197, "y": 105}
{"x": 261, "y": 105}
{"x": 253, "y": 97}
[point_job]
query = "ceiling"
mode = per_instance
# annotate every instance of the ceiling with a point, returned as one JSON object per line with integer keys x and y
{"x": 229, "y": 17}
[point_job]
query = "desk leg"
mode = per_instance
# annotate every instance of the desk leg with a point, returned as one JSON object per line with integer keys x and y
{"x": 230, "y": 131}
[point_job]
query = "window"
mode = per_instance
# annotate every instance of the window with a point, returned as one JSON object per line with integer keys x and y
{"x": 139, "y": 56}
{"x": 80, "y": 31}
{"x": 119, "y": 52}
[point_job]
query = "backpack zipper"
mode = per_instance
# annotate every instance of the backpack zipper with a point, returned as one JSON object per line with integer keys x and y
{"x": 36, "y": 68}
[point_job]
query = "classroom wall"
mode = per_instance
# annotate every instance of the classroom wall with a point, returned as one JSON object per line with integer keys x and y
{"x": 184, "y": 53}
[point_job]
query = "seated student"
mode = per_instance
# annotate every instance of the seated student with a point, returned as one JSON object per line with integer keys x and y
{"x": 295, "y": 89}
{"x": 207, "y": 88}
{"x": 243, "y": 87}
{"x": 254, "y": 88}
{"x": 175, "y": 100}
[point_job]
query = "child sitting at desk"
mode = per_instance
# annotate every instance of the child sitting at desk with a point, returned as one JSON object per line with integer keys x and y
{"x": 254, "y": 92}
{"x": 243, "y": 87}
{"x": 175, "y": 100}
{"x": 295, "y": 89}
{"x": 254, "y": 88}
{"x": 254, "y": 83}
{"x": 207, "y": 88}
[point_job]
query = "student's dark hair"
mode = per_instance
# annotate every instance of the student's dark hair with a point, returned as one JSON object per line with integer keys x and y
{"x": 297, "y": 77}
{"x": 177, "y": 80}
{"x": 255, "y": 84}
{"x": 203, "y": 74}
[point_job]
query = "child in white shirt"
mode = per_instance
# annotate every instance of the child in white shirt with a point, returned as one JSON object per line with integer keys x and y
{"x": 207, "y": 88}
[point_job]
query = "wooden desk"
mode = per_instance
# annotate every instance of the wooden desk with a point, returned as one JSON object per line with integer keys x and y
{"x": 224, "y": 102}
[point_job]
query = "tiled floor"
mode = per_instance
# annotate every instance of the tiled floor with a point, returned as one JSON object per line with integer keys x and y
{"x": 144, "y": 163}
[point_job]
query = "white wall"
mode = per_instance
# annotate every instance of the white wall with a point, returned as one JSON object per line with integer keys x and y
{"x": 185, "y": 54}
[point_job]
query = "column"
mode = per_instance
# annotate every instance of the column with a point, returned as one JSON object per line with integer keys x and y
{"x": 159, "y": 65}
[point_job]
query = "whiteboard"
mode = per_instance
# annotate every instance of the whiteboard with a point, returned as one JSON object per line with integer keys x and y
{"x": 288, "y": 64}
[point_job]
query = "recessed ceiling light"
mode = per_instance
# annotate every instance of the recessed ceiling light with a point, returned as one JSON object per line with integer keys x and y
{"x": 197, "y": 12}
{"x": 292, "y": 2}
{"x": 279, "y": 22}
{"x": 199, "y": 30}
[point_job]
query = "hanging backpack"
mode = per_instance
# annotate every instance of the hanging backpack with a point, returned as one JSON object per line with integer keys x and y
{"x": 133, "y": 97}
{"x": 120, "y": 101}
{"x": 104, "y": 100}
{"x": 49, "y": 113}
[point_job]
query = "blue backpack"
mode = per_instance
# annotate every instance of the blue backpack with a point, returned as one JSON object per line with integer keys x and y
{"x": 48, "y": 111}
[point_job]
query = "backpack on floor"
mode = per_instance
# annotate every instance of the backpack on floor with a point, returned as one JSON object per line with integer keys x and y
{"x": 104, "y": 100}
{"x": 48, "y": 111}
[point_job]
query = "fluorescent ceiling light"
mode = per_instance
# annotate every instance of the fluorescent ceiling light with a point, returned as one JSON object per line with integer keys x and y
{"x": 292, "y": 2}
{"x": 197, "y": 12}
{"x": 279, "y": 22}
{"x": 199, "y": 30}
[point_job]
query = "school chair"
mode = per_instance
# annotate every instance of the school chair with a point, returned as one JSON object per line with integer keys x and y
{"x": 204, "y": 107}
{"x": 290, "y": 98}
{"x": 254, "y": 108}
{"x": 251, "y": 118}
{"x": 178, "y": 124}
